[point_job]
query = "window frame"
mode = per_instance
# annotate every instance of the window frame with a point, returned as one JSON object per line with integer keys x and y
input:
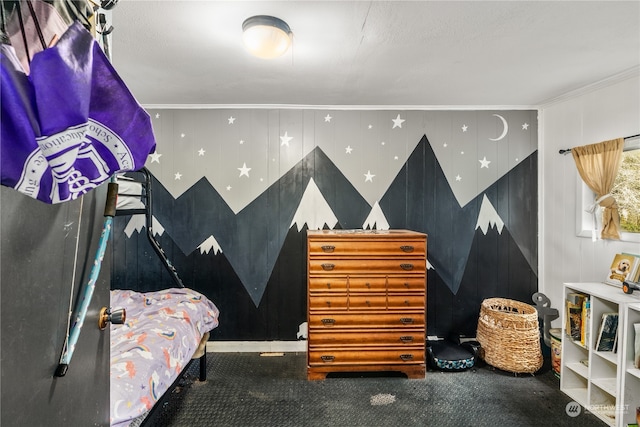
{"x": 586, "y": 197}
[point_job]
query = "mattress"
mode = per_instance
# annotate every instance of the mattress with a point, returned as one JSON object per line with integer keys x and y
{"x": 162, "y": 332}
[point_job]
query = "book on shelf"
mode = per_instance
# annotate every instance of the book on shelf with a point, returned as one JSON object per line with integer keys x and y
{"x": 574, "y": 308}
{"x": 607, "y": 333}
{"x": 625, "y": 266}
{"x": 585, "y": 321}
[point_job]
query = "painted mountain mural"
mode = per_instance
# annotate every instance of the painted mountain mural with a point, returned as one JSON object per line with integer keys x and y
{"x": 257, "y": 273}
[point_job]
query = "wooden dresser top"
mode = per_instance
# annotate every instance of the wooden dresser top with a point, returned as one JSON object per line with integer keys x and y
{"x": 359, "y": 233}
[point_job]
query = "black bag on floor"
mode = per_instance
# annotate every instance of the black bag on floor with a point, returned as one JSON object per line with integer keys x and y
{"x": 451, "y": 355}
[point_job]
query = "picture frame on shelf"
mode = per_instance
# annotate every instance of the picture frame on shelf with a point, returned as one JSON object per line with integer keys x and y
{"x": 625, "y": 266}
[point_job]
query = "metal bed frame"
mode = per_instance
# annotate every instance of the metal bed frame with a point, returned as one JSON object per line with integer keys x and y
{"x": 143, "y": 176}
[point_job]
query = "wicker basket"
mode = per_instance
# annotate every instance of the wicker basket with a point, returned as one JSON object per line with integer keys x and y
{"x": 509, "y": 336}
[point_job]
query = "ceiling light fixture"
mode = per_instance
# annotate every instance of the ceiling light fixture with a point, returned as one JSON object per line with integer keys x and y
{"x": 266, "y": 36}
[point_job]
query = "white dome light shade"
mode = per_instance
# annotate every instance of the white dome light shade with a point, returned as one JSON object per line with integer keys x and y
{"x": 266, "y": 36}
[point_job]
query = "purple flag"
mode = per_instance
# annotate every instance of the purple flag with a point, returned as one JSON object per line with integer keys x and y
{"x": 71, "y": 123}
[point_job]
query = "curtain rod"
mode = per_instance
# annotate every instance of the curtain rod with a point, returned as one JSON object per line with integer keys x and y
{"x": 568, "y": 150}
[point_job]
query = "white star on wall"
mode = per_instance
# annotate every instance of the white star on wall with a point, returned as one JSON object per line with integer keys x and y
{"x": 397, "y": 122}
{"x": 285, "y": 139}
{"x": 348, "y": 149}
{"x": 458, "y": 178}
{"x": 368, "y": 176}
{"x": 395, "y": 157}
{"x": 445, "y": 145}
{"x": 241, "y": 141}
{"x": 244, "y": 170}
{"x": 231, "y": 120}
{"x": 464, "y": 128}
{"x": 382, "y": 143}
{"x": 484, "y": 163}
{"x": 370, "y": 126}
{"x": 157, "y": 115}
{"x": 182, "y": 135}
{"x": 201, "y": 152}
{"x": 177, "y": 176}
{"x": 155, "y": 157}
{"x": 228, "y": 188}
{"x": 327, "y": 118}
{"x": 525, "y": 126}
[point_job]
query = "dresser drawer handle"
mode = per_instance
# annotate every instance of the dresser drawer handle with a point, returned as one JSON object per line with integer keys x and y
{"x": 328, "y": 267}
{"x": 328, "y": 322}
{"x": 328, "y": 248}
{"x": 327, "y": 358}
{"x": 406, "y": 320}
{"x": 406, "y": 266}
{"x": 406, "y": 285}
{"x": 406, "y": 302}
{"x": 406, "y": 248}
{"x": 368, "y": 285}
{"x": 406, "y": 338}
{"x": 406, "y": 357}
{"x": 328, "y": 303}
{"x": 328, "y": 285}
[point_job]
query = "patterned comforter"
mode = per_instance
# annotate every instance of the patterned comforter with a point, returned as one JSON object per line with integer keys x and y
{"x": 162, "y": 332}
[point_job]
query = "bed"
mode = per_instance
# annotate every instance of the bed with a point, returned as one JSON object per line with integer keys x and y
{"x": 162, "y": 333}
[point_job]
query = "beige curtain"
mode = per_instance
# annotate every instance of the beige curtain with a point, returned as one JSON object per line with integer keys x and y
{"x": 598, "y": 166}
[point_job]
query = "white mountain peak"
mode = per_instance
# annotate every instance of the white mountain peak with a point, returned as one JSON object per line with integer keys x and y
{"x": 210, "y": 244}
{"x": 138, "y": 222}
{"x": 313, "y": 210}
{"x": 488, "y": 217}
{"x": 376, "y": 219}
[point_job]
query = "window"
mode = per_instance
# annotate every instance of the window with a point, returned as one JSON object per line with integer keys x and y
{"x": 626, "y": 190}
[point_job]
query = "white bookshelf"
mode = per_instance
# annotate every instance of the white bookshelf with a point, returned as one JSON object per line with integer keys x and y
{"x": 630, "y": 387}
{"x": 605, "y": 383}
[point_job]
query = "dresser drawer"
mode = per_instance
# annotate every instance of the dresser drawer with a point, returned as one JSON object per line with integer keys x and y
{"x": 406, "y": 301}
{"x": 407, "y": 284}
{"x": 367, "y": 338}
{"x": 367, "y": 266}
{"x": 366, "y": 247}
{"x": 332, "y": 283}
{"x": 365, "y": 356}
{"x": 365, "y": 301}
{"x": 386, "y": 319}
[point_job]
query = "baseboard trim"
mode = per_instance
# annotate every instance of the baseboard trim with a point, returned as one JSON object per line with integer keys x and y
{"x": 256, "y": 346}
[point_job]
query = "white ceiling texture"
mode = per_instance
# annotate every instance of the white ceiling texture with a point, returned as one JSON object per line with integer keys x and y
{"x": 375, "y": 53}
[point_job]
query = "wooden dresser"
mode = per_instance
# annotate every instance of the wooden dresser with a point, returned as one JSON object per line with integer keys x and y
{"x": 366, "y": 301}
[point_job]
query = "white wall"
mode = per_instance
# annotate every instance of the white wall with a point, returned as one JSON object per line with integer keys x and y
{"x": 601, "y": 114}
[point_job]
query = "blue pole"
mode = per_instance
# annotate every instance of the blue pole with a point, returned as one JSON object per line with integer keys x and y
{"x": 87, "y": 294}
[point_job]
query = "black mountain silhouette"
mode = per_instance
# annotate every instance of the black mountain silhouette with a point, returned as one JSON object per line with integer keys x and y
{"x": 252, "y": 239}
{"x": 260, "y": 275}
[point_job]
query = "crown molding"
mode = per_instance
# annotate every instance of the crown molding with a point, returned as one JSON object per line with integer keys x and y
{"x": 630, "y": 73}
{"x": 339, "y": 107}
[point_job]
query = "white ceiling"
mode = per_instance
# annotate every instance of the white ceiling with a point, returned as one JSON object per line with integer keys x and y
{"x": 375, "y": 53}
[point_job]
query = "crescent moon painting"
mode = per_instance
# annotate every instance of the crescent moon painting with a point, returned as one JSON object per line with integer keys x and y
{"x": 504, "y": 131}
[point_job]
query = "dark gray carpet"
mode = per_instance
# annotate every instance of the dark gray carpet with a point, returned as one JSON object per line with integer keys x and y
{"x": 246, "y": 389}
